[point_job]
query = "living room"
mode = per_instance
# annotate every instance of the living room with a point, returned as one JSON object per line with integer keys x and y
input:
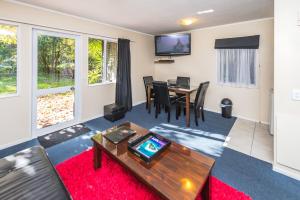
{"x": 64, "y": 65}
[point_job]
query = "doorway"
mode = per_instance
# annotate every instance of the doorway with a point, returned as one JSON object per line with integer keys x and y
{"x": 55, "y": 81}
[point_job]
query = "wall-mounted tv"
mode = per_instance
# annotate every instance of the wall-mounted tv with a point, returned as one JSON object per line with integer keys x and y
{"x": 173, "y": 44}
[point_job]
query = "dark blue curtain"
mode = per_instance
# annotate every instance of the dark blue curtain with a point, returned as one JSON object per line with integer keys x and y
{"x": 123, "y": 85}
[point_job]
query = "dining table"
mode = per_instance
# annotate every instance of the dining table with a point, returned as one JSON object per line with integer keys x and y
{"x": 186, "y": 91}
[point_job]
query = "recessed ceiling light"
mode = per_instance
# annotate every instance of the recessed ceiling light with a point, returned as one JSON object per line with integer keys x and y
{"x": 205, "y": 12}
{"x": 188, "y": 21}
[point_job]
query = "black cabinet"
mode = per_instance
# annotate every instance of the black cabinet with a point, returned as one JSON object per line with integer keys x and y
{"x": 114, "y": 112}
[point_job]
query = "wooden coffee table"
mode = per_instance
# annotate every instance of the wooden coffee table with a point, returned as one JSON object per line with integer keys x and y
{"x": 178, "y": 173}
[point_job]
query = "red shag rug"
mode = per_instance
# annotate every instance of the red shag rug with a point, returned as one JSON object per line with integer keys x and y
{"x": 113, "y": 182}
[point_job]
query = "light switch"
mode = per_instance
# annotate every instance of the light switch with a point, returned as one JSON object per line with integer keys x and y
{"x": 296, "y": 94}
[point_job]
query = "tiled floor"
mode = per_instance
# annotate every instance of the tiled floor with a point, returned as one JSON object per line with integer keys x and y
{"x": 252, "y": 139}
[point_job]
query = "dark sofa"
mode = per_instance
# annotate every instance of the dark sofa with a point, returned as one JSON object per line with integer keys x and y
{"x": 29, "y": 175}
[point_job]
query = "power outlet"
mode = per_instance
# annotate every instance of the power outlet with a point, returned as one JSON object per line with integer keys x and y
{"x": 296, "y": 94}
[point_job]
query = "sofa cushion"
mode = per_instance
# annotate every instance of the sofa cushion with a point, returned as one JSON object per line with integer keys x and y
{"x": 29, "y": 174}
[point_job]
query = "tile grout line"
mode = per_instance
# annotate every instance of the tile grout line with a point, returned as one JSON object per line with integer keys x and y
{"x": 253, "y": 139}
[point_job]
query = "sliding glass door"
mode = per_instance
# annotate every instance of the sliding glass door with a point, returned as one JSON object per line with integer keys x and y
{"x": 55, "y": 72}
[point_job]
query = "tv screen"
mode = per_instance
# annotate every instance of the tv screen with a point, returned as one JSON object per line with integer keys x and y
{"x": 150, "y": 146}
{"x": 175, "y": 44}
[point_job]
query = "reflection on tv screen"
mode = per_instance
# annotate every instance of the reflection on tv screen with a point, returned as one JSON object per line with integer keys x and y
{"x": 173, "y": 44}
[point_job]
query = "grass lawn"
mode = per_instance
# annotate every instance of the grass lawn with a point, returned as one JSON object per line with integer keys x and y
{"x": 8, "y": 85}
{"x": 45, "y": 82}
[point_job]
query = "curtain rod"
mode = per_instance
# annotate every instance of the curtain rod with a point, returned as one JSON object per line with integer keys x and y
{"x": 61, "y": 29}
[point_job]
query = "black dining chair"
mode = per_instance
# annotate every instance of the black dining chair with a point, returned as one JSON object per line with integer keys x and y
{"x": 161, "y": 98}
{"x": 198, "y": 104}
{"x": 148, "y": 81}
{"x": 183, "y": 82}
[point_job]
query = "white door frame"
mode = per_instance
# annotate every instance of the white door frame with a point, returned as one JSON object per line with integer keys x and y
{"x": 36, "y": 92}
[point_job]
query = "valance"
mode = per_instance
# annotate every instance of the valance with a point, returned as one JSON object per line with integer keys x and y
{"x": 249, "y": 42}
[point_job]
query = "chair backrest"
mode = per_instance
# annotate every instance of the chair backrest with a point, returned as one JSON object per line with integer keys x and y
{"x": 147, "y": 80}
{"x": 172, "y": 82}
{"x": 161, "y": 93}
{"x": 200, "y": 96}
{"x": 183, "y": 81}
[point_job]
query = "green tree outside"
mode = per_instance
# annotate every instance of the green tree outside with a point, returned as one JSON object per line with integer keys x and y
{"x": 56, "y": 60}
{"x": 8, "y": 59}
{"x": 95, "y": 60}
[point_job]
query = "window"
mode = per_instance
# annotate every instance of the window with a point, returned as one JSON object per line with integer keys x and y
{"x": 95, "y": 60}
{"x": 102, "y": 61}
{"x": 111, "y": 60}
{"x": 237, "y": 67}
{"x": 8, "y": 59}
{"x": 56, "y": 61}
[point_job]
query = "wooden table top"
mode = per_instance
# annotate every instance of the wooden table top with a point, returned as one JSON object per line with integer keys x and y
{"x": 179, "y": 89}
{"x": 183, "y": 90}
{"x": 178, "y": 173}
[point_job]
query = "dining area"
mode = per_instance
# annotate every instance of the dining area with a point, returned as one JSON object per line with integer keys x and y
{"x": 162, "y": 96}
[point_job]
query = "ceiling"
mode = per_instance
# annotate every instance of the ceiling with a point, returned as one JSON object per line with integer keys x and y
{"x": 161, "y": 16}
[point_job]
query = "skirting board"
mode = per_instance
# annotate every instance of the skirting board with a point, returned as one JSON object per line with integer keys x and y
{"x": 286, "y": 171}
{"x": 101, "y": 115}
{"x": 91, "y": 118}
{"x": 138, "y": 103}
{"x": 4, "y": 146}
{"x": 208, "y": 109}
{"x": 239, "y": 116}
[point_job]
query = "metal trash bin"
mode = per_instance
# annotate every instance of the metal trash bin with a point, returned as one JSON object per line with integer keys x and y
{"x": 226, "y": 106}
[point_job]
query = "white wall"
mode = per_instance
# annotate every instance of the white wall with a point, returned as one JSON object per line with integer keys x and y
{"x": 201, "y": 66}
{"x": 287, "y": 78}
{"x": 15, "y": 112}
{"x": 15, "y": 115}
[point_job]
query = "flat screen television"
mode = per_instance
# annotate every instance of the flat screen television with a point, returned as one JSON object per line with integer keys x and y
{"x": 173, "y": 44}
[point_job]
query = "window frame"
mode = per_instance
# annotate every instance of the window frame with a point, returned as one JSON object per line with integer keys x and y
{"x": 17, "y": 25}
{"x": 236, "y": 85}
{"x": 104, "y": 64}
